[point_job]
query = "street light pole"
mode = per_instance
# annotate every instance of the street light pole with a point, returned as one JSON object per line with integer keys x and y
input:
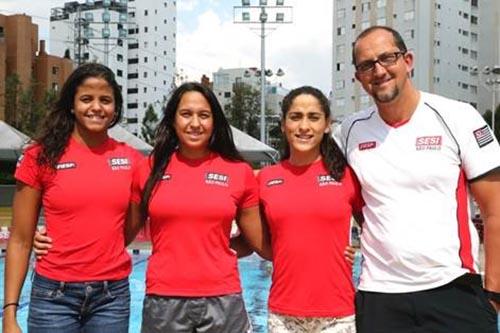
{"x": 262, "y": 14}
{"x": 490, "y": 79}
{"x": 263, "y": 19}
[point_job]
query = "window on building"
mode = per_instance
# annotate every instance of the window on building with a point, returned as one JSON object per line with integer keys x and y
{"x": 365, "y": 7}
{"x": 473, "y": 89}
{"x": 156, "y": 28}
{"x": 409, "y": 15}
{"x": 365, "y": 99}
{"x": 381, "y": 3}
{"x": 340, "y": 101}
{"x": 381, "y": 21}
{"x": 132, "y": 91}
{"x": 473, "y": 36}
{"x": 474, "y": 3}
{"x": 465, "y": 51}
{"x": 145, "y": 104}
{"x": 435, "y": 79}
{"x": 465, "y": 33}
{"x": 165, "y": 21}
{"x": 145, "y": 75}
{"x": 133, "y": 61}
{"x": 145, "y": 60}
{"x": 133, "y": 76}
{"x": 341, "y": 13}
{"x": 340, "y": 50}
{"x": 339, "y": 84}
{"x": 119, "y": 73}
{"x": 145, "y": 29}
{"x": 437, "y": 5}
{"x": 145, "y": 89}
{"x": 55, "y": 70}
{"x": 340, "y": 31}
{"x": 340, "y": 66}
{"x": 437, "y": 43}
{"x": 156, "y": 11}
{"x": 55, "y": 86}
{"x": 119, "y": 57}
{"x": 132, "y": 106}
{"x": 473, "y": 54}
{"x": 227, "y": 94}
{"x": 473, "y": 19}
{"x": 133, "y": 46}
{"x": 145, "y": 45}
{"x": 409, "y": 34}
{"x": 145, "y": 12}
{"x": 365, "y": 24}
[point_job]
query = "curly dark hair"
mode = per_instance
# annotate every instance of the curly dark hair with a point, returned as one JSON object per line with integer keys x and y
{"x": 333, "y": 158}
{"x": 59, "y": 123}
{"x": 167, "y": 142}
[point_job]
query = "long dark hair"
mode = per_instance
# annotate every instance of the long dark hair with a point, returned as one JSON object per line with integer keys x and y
{"x": 333, "y": 158}
{"x": 59, "y": 123}
{"x": 166, "y": 140}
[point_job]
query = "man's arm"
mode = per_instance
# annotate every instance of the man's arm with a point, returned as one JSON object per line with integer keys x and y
{"x": 486, "y": 192}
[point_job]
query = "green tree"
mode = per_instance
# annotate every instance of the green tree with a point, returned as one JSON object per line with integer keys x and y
{"x": 487, "y": 118}
{"x": 243, "y": 109}
{"x": 149, "y": 123}
{"x": 12, "y": 91}
{"x": 22, "y": 111}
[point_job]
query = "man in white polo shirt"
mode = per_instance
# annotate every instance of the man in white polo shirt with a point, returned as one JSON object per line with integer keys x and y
{"x": 417, "y": 155}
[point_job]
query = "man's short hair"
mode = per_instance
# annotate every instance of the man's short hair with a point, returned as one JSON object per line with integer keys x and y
{"x": 398, "y": 40}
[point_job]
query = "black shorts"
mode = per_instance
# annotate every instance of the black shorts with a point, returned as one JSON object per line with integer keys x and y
{"x": 460, "y": 306}
{"x": 217, "y": 314}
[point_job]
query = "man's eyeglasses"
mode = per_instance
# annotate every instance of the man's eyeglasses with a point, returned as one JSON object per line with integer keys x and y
{"x": 385, "y": 60}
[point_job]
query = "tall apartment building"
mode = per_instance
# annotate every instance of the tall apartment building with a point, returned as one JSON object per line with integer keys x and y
{"x": 443, "y": 34}
{"x": 18, "y": 55}
{"x": 136, "y": 39}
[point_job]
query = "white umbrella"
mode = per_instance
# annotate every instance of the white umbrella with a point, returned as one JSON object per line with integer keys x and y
{"x": 252, "y": 149}
{"x": 121, "y": 134}
{"x": 12, "y": 142}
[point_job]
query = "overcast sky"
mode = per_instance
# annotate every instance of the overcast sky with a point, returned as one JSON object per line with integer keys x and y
{"x": 208, "y": 39}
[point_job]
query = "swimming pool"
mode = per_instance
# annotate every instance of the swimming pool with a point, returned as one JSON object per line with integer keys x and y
{"x": 255, "y": 278}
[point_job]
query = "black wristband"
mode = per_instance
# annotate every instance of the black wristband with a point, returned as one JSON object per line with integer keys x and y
{"x": 493, "y": 296}
{"x": 10, "y": 304}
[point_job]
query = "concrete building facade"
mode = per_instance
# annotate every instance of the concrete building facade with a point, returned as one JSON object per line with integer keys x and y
{"x": 136, "y": 39}
{"x": 18, "y": 55}
{"x": 443, "y": 35}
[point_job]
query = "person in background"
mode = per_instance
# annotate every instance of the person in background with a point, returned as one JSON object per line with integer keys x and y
{"x": 417, "y": 156}
{"x": 82, "y": 179}
{"x": 191, "y": 188}
{"x": 308, "y": 200}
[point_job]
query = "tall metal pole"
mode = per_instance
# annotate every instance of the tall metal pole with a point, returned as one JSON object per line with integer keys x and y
{"x": 493, "y": 109}
{"x": 262, "y": 75}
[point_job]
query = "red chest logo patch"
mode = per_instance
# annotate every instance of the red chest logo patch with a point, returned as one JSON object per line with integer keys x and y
{"x": 429, "y": 142}
{"x": 367, "y": 145}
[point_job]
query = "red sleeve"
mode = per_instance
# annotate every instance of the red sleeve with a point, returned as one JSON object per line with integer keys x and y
{"x": 138, "y": 180}
{"x": 357, "y": 201}
{"x": 28, "y": 171}
{"x": 250, "y": 194}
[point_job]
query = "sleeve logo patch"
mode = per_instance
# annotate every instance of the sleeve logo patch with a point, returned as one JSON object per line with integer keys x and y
{"x": 275, "y": 182}
{"x": 119, "y": 163}
{"x": 367, "y": 145}
{"x": 429, "y": 142}
{"x": 483, "y": 136}
{"x": 65, "y": 165}
{"x": 214, "y": 178}
{"x": 325, "y": 180}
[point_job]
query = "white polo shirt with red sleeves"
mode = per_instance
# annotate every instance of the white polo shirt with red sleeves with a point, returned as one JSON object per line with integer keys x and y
{"x": 309, "y": 217}
{"x": 191, "y": 213}
{"x": 418, "y": 234}
{"x": 85, "y": 202}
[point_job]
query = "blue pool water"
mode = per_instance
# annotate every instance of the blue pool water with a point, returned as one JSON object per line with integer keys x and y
{"x": 255, "y": 278}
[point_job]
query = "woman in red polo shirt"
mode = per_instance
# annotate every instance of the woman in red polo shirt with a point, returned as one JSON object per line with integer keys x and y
{"x": 81, "y": 177}
{"x": 308, "y": 200}
{"x": 191, "y": 188}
